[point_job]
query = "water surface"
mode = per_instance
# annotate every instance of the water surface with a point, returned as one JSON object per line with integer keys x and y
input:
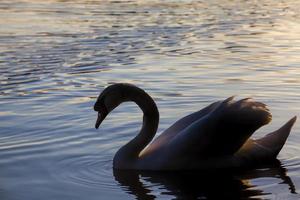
{"x": 56, "y": 56}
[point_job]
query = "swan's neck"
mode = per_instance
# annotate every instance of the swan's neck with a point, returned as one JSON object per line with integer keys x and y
{"x": 129, "y": 153}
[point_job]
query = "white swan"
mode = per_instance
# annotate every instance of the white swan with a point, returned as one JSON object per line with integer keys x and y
{"x": 215, "y": 137}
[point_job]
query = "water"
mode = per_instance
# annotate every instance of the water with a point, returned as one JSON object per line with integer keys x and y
{"x": 56, "y": 56}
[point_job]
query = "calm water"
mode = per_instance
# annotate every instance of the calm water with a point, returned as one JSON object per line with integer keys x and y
{"x": 56, "y": 56}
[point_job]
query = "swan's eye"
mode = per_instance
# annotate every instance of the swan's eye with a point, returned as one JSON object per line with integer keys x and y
{"x": 98, "y": 105}
{"x": 112, "y": 100}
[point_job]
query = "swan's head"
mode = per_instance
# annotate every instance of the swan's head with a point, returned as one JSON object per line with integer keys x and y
{"x": 108, "y": 100}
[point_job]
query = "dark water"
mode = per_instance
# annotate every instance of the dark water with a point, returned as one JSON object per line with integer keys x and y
{"x": 56, "y": 56}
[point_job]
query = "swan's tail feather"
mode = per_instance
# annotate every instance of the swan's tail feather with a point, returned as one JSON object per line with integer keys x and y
{"x": 266, "y": 148}
{"x": 274, "y": 141}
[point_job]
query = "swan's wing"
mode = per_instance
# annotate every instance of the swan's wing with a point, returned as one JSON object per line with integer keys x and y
{"x": 236, "y": 121}
{"x": 221, "y": 132}
{"x": 184, "y": 122}
{"x": 267, "y": 147}
{"x": 178, "y": 126}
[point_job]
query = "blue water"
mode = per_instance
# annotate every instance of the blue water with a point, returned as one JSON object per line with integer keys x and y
{"x": 57, "y": 56}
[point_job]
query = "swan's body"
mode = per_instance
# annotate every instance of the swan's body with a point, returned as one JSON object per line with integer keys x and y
{"x": 214, "y": 137}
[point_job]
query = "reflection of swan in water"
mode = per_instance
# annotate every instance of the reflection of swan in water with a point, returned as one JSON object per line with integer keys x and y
{"x": 212, "y": 138}
{"x": 200, "y": 185}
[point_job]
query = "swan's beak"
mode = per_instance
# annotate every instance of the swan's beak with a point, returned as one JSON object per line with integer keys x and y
{"x": 100, "y": 118}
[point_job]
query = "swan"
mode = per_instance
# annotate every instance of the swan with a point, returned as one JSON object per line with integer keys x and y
{"x": 216, "y": 137}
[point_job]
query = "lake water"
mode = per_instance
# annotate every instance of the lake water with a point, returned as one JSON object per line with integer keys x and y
{"x": 56, "y": 56}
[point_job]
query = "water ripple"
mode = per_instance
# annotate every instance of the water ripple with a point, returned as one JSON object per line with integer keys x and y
{"x": 88, "y": 171}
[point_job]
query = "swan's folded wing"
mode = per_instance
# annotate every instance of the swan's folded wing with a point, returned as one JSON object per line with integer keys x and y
{"x": 235, "y": 122}
{"x": 222, "y": 132}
